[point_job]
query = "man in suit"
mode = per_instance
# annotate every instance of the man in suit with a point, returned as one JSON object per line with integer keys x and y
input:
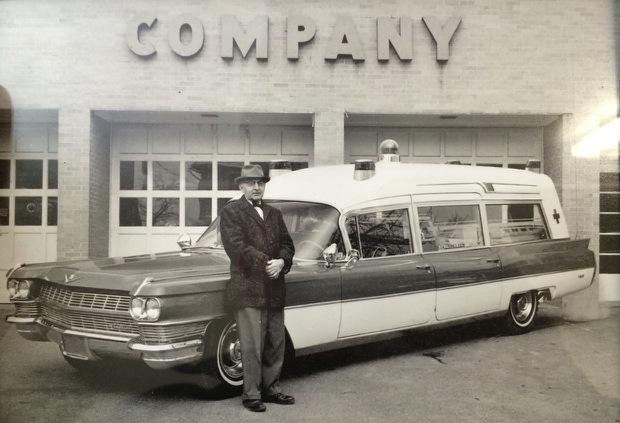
{"x": 261, "y": 253}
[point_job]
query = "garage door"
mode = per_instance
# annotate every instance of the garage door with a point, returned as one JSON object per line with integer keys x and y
{"x": 28, "y": 196}
{"x": 502, "y": 147}
{"x": 172, "y": 179}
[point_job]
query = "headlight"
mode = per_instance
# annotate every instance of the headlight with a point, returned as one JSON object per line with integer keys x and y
{"x": 23, "y": 289}
{"x": 137, "y": 308}
{"x": 18, "y": 290}
{"x": 11, "y": 285}
{"x": 147, "y": 309}
{"x": 152, "y": 309}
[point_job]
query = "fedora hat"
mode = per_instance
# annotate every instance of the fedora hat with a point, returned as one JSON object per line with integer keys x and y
{"x": 252, "y": 172}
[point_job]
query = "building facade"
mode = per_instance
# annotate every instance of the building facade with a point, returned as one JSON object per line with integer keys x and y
{"x": 129, "y": 120}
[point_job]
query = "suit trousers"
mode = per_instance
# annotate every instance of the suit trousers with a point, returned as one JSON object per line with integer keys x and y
{"x": 261, "y": 334}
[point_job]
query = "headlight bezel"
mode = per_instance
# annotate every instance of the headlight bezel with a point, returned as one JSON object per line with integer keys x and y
{"x": 140, "y": 307}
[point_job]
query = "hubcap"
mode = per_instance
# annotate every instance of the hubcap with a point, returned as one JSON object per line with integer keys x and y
{"x": 229, "y": 353}
{"x": 521, "y": 307}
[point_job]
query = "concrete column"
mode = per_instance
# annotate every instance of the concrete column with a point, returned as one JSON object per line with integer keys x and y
{"x": 73, "y": 183}
{"x": 328, "y": 137}
{"x": 576, "y": 179}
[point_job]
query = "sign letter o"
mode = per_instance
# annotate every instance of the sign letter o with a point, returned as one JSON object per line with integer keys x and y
{"x": 174, "y": 36}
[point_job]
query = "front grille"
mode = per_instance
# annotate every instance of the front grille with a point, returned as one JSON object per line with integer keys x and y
{"x": 88, "y": 300}
{"x": 89, "y": 321}
{"x": 27, "y": 309}
{"x": 169, "y": 334}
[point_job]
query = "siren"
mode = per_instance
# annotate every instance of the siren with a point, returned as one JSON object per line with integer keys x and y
{"x": 279, "y": 167}
{"x": 388, "y": 151}
{"x": 364, "y": 169}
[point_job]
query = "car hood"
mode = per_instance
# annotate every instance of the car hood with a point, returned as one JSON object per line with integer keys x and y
{"x": 127, "y": 273}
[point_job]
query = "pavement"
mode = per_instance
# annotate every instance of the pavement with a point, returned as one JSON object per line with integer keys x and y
{"x": 559, "y": 372}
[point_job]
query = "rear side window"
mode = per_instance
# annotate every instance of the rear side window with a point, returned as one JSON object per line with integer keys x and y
{"x": 448, "y": 227}
{"x": 381, "y": 233}
{"x": 510, "y": 223}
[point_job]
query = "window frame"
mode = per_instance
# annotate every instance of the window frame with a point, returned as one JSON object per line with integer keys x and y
{"x": 377, "y": 208}
{"x": 444, "y": 203}
{"x": 498, "y": 201}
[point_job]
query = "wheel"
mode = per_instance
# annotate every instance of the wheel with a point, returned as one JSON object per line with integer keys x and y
{"x": 521, "y": 312}
{"x": 221, "y": 369}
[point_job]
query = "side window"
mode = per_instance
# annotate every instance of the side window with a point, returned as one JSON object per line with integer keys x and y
{"x": 381, "y": 233}
{"x": 509, "y": 223}
{"x": 448, "y": 227}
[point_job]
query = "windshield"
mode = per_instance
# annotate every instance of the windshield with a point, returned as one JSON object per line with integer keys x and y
{"x": 312, "y": 226}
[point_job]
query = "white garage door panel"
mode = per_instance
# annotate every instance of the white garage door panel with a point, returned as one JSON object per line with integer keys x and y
{"x": 129, "y": 244}
{"x": 163, "y": 242}
{"x": 30, "y": 248}
{"x": 4, "y": 294}
{"x": 50, "y": 252}
{"x": 475, "y": 146}
{"x": 297, "y": 141}
{"x": 199, "y": 139}
{"x": 165, "y": 139}
{"x": 31, "y": 138}
{"x": 130, "y": 139}
{"x": 458, "y": 142}
{"x": 524, "y": 142}
{"x": 6, "y": 255}
{"x": 426, "y": 142}
{"x": 491, "y": 142}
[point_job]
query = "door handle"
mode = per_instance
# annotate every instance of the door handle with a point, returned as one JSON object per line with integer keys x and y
{"x": 425, "y": 266}
{"x": 495, "y": 260}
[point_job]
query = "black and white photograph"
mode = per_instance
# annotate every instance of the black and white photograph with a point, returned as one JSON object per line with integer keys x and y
{"x": 310, "y": 211}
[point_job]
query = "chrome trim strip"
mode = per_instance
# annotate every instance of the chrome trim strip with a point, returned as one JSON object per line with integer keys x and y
{"x": 84, "y": 334}
{"x": 312, "y": 304}
{"x": 164, "y": 347}
{"x": 167, "y": 360}
{"x": 13, "y": 319}
{"x": 533, "y": 275}
{"x": 178, "y": 322}
{"x": 145, "y": 282}
{"x": 399, "y": 294}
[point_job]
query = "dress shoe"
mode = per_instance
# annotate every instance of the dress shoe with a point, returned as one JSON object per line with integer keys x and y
{"x": 254, "y": 405}
{"x": 280, "y": 398}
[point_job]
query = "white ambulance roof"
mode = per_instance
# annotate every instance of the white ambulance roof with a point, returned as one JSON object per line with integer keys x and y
{"x": 335, "y": 185}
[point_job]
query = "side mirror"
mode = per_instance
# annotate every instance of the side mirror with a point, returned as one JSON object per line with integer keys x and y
{"x": 352, "y": 257}
{"x": 329, "y": 255}
{"x": 184, "y": 241}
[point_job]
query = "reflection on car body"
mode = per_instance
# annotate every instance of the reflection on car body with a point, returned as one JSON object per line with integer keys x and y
{"x": 379, "y": 248}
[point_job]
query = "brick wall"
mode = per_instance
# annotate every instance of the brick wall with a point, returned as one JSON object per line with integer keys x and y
{"x": 99, "y": 185}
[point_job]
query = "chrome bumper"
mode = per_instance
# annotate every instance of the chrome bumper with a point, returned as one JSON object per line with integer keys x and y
{"x": 94, "y": 346}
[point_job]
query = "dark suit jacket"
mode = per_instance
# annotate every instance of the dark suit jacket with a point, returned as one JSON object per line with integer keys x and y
{"x": 250, "y": 242}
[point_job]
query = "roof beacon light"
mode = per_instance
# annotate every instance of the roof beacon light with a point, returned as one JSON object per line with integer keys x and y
{"x": 533, "y": 166}
{"x": 364, "y": 169}
{"x": 279, "y": 167}
{"x": 388, "y": 151}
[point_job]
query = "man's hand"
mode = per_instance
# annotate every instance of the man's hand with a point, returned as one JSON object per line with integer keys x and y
{"x": 274, "y": 267}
